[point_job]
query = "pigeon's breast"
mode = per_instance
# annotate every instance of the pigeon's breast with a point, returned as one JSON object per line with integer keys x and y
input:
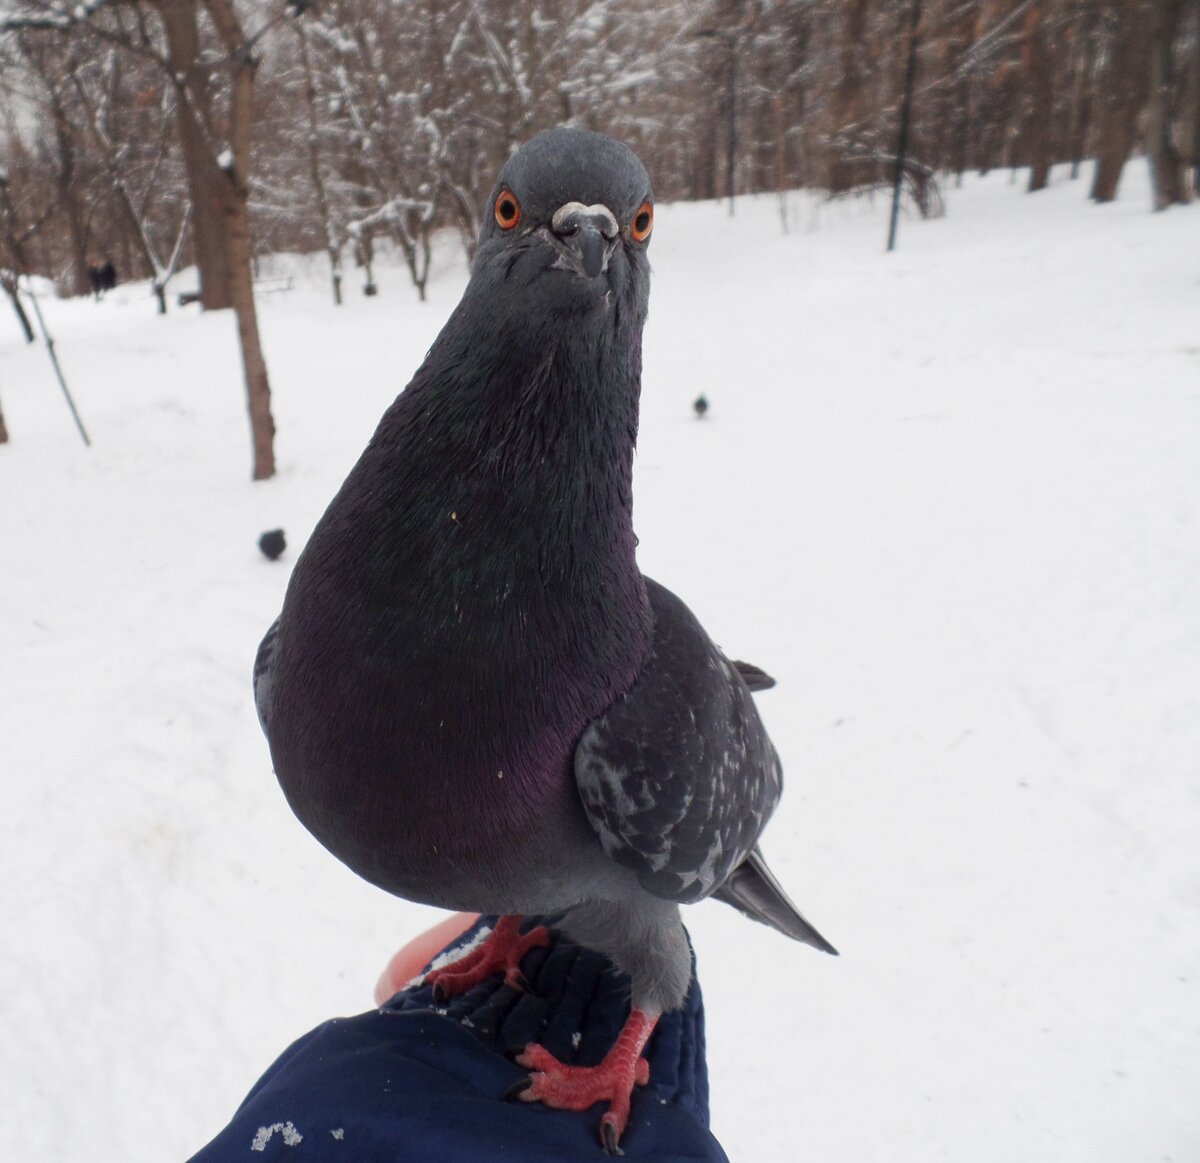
{"x": 446, "y": 639}
{"x": 450, "y": 784}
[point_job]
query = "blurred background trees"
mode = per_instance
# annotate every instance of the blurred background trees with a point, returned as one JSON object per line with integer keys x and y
{"x": 158, "y": 133}
{"x": 346, "y": 121}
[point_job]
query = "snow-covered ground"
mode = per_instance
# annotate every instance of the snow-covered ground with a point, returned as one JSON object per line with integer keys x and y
{"x": 949, "y": 497}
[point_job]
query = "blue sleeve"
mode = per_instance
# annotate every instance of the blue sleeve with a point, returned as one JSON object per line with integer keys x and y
{"x": 415, "y": 1082}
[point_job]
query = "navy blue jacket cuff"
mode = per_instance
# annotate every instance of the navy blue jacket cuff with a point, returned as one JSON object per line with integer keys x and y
{"x": 415, "y": 1081}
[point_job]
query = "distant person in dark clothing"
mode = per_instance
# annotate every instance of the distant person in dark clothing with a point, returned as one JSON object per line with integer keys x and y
{"x": 102, "y": 278}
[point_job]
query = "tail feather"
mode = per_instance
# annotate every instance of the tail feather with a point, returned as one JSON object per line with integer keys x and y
{"x": 754, "y": 891}
{"x": 753, "y": 676}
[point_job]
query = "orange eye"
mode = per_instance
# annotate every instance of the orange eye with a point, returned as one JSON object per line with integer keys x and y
{"x": 643, "y": 223}
{"x": 508, "y": 210}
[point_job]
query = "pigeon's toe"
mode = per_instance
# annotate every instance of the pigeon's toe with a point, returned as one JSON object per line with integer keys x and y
{"x": 500, "y": 952}
{"x": 579, "y": 1087}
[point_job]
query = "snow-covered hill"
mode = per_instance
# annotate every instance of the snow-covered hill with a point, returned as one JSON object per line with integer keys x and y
{"x": 949, "y": 497}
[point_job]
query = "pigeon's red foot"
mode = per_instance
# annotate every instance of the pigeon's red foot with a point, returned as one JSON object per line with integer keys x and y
{"x": 578, "y": 1087}
{"x": 500, "y": 951}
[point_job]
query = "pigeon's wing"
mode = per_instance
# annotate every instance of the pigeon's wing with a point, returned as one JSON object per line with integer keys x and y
{"x": 262, "y": 673}
{"x": 678, "y": 777}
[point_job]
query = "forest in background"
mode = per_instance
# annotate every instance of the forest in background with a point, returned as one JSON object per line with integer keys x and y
{"x": 153, "y": 134}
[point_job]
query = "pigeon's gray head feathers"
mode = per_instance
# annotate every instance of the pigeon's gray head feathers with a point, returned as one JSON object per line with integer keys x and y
{"x": 568, "y": 224}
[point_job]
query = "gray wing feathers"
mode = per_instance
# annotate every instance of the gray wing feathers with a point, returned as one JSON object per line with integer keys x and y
{"x": 678, "y": 778}
{"x": 262, "y": 673}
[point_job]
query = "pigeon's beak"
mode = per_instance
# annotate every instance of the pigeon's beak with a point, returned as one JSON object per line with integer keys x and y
{"x": 588, "y": 235}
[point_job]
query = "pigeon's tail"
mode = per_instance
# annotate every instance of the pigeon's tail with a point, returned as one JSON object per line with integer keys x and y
{"x": 753, "y": 676}
{"x": 752, "y": 890}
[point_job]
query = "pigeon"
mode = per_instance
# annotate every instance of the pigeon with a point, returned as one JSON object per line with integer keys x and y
{"x": 700, "y": 407}
{"x": 472, "y": 695}
{"x": 272, "y": 543}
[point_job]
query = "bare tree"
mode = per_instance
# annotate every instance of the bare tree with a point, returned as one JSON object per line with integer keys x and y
{"x": 1082, "y": 40}
{"x": 329, "y": 229}
{"x": 1039, "y": 66}
{"x": 1167, "y": 162}
{"x": 13, "y": 260}
{"x": 72, "y": 190}
{"x": 235, "y": 163}
{"x": 1189, "y": 128}
{"x": 218, "y": 174}
{"x": 135, "y": 205}
{"x": 1121, "y": 91}
{"x": 392, "y": 117}
{"x": 189, "y": 75}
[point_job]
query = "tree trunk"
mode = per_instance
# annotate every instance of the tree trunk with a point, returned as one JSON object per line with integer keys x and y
{"x": 731, "y": 131}
{"x": 69, "y": 187}
{"x": 332, "y": 243}
{"x": 848, "y": 98}
{"x": 1167, "y": 173}
{"x": 1040, "y": 68}
{"x": 704, "y": 174}
{"x": 10, "y": 289}
{"x": 1083, "y": 67}
{"x": 780, "y": 138}
{"x": 204, "y": 177}
{"x": 1121, "y": 94}
{"x": 235, "y": 194}
{"x": 1189, "y": 127}
{"x": 364, "y": 256}
{"x": 13, "y": 259}
{"x": 254, "y": 365}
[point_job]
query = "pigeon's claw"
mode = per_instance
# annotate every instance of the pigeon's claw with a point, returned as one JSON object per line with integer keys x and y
{"x": 501, "y": 951}
{"x": 578, "y": 1087}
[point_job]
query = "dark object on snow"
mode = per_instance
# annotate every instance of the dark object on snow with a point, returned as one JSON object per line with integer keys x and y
{"x": 438, "y": 1072}
{"x": 272, "y": 544}
{"x": 370, "y": 290}
{"x": 472, "y": 695}
{"x": 187, "y": 298}
{"x": 700, "y": 407}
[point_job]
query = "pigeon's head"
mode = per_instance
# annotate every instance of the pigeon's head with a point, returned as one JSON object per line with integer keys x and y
{"x": 567, "y": 226}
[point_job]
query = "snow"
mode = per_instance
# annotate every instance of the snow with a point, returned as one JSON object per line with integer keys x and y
{"x": 948, "y": 497}
{"x": 454, "y": 952}
{"x": 286, "y": 1131}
